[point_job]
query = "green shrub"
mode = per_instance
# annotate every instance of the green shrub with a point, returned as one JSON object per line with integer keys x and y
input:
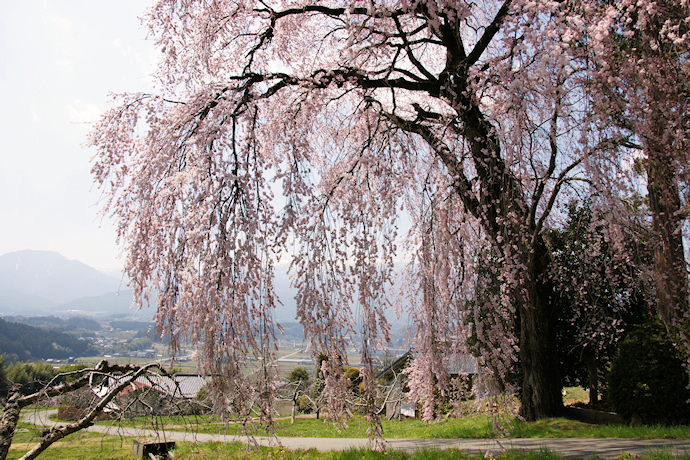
{"x": 299, "y": 375}
{"x": 648, "y": 382}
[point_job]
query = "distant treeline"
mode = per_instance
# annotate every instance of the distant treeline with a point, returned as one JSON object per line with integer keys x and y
{"x": 72, "y": 324}
{"x": 20, "y": 342}
{"x": 32, "y": 376}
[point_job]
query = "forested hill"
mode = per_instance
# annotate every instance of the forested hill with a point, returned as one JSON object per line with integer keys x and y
{"x": 22, "y": 342}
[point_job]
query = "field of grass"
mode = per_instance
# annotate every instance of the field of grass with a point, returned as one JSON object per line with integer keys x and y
{"x": 239, "y": 451}
{"x": 284, "y": 368}
{"x": 98, "y": 447}
{"x": 95, "y": 446}
{"x": 80, "y": 445}
{"x": 467, "y": 427}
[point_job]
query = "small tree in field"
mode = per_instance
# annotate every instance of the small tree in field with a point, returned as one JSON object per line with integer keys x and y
{"x": 299, "y": 377}
{"x": 308, "y": 129}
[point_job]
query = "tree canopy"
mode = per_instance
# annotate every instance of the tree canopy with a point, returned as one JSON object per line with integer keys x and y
{"x": 314, "y": 131}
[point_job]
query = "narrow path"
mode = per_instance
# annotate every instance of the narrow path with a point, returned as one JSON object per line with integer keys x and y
{"x": 287, "y": 356}
{"x": 568, "y": 447}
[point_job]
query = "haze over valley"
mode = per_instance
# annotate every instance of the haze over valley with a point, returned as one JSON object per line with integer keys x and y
{"x": 66, "y": 298}
{"x": 47, "y": 283}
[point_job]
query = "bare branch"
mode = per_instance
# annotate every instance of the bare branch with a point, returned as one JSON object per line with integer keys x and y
{"x": 103, "y": 368}
{"x": 488, "y": 35}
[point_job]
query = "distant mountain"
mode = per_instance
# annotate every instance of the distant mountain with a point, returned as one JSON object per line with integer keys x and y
{"x": 109, "y": 304}
{"x": 19, "y": 303}
{"x": 50, "y": 276}
{"x": 47, "y": 283}
{"x": 287, "y": 310}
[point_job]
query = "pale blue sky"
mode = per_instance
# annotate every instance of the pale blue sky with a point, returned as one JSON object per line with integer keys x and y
{"x": 59, "y": 60}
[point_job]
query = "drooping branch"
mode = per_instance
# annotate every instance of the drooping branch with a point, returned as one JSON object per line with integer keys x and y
{"x": 541, "y": 183}
{"x": 461, "y": 183}
{"x": 131, "y": 373}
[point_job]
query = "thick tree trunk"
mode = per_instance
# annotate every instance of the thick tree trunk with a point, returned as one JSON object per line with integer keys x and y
{"x": 541, "y": 381}
{"x": 669, "y": 255}
{"x": 505, "y": 215}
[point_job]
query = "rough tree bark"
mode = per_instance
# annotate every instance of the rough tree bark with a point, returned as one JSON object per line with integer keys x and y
{"x": 10, "y": 418}
{"x": 667, "y": 222}
{"x": 541, "y": 379}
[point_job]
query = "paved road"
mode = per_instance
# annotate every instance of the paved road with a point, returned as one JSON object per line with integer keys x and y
{"x": 568, "y": 447}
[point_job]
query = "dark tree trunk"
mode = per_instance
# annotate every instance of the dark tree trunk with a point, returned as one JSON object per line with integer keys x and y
{"x": 669, "y": 255}
{"x": 505, "y": 216}
{"x": 541, "y": 380}
{"x": 541, "y": 383}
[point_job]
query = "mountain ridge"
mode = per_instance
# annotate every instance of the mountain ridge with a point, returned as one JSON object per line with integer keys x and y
{"x": 46, "y": 282}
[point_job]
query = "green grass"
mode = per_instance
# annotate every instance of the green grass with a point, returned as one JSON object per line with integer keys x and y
{"x": 239, "y": 451}
{"x": 572, "y": 395}
{"x": 110, "y": 447}
{"x": 467, "y": 427}
{"x": 84, "y": 446}
{"x": 80, "y": 445}
{"x": 471, "y": 427}
{"x": 565, "y": 428}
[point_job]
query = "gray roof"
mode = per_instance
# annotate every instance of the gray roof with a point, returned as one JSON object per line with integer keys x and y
{"x": 462, "y": 364}
{"x": 459, "y": 364}
{"x": 185, "y": 386}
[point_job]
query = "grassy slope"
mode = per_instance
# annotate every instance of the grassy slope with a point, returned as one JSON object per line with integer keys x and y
{"x": 97, "y": 447}
{"x": 94, "y": 446}
{"x": 468, "y": 427}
